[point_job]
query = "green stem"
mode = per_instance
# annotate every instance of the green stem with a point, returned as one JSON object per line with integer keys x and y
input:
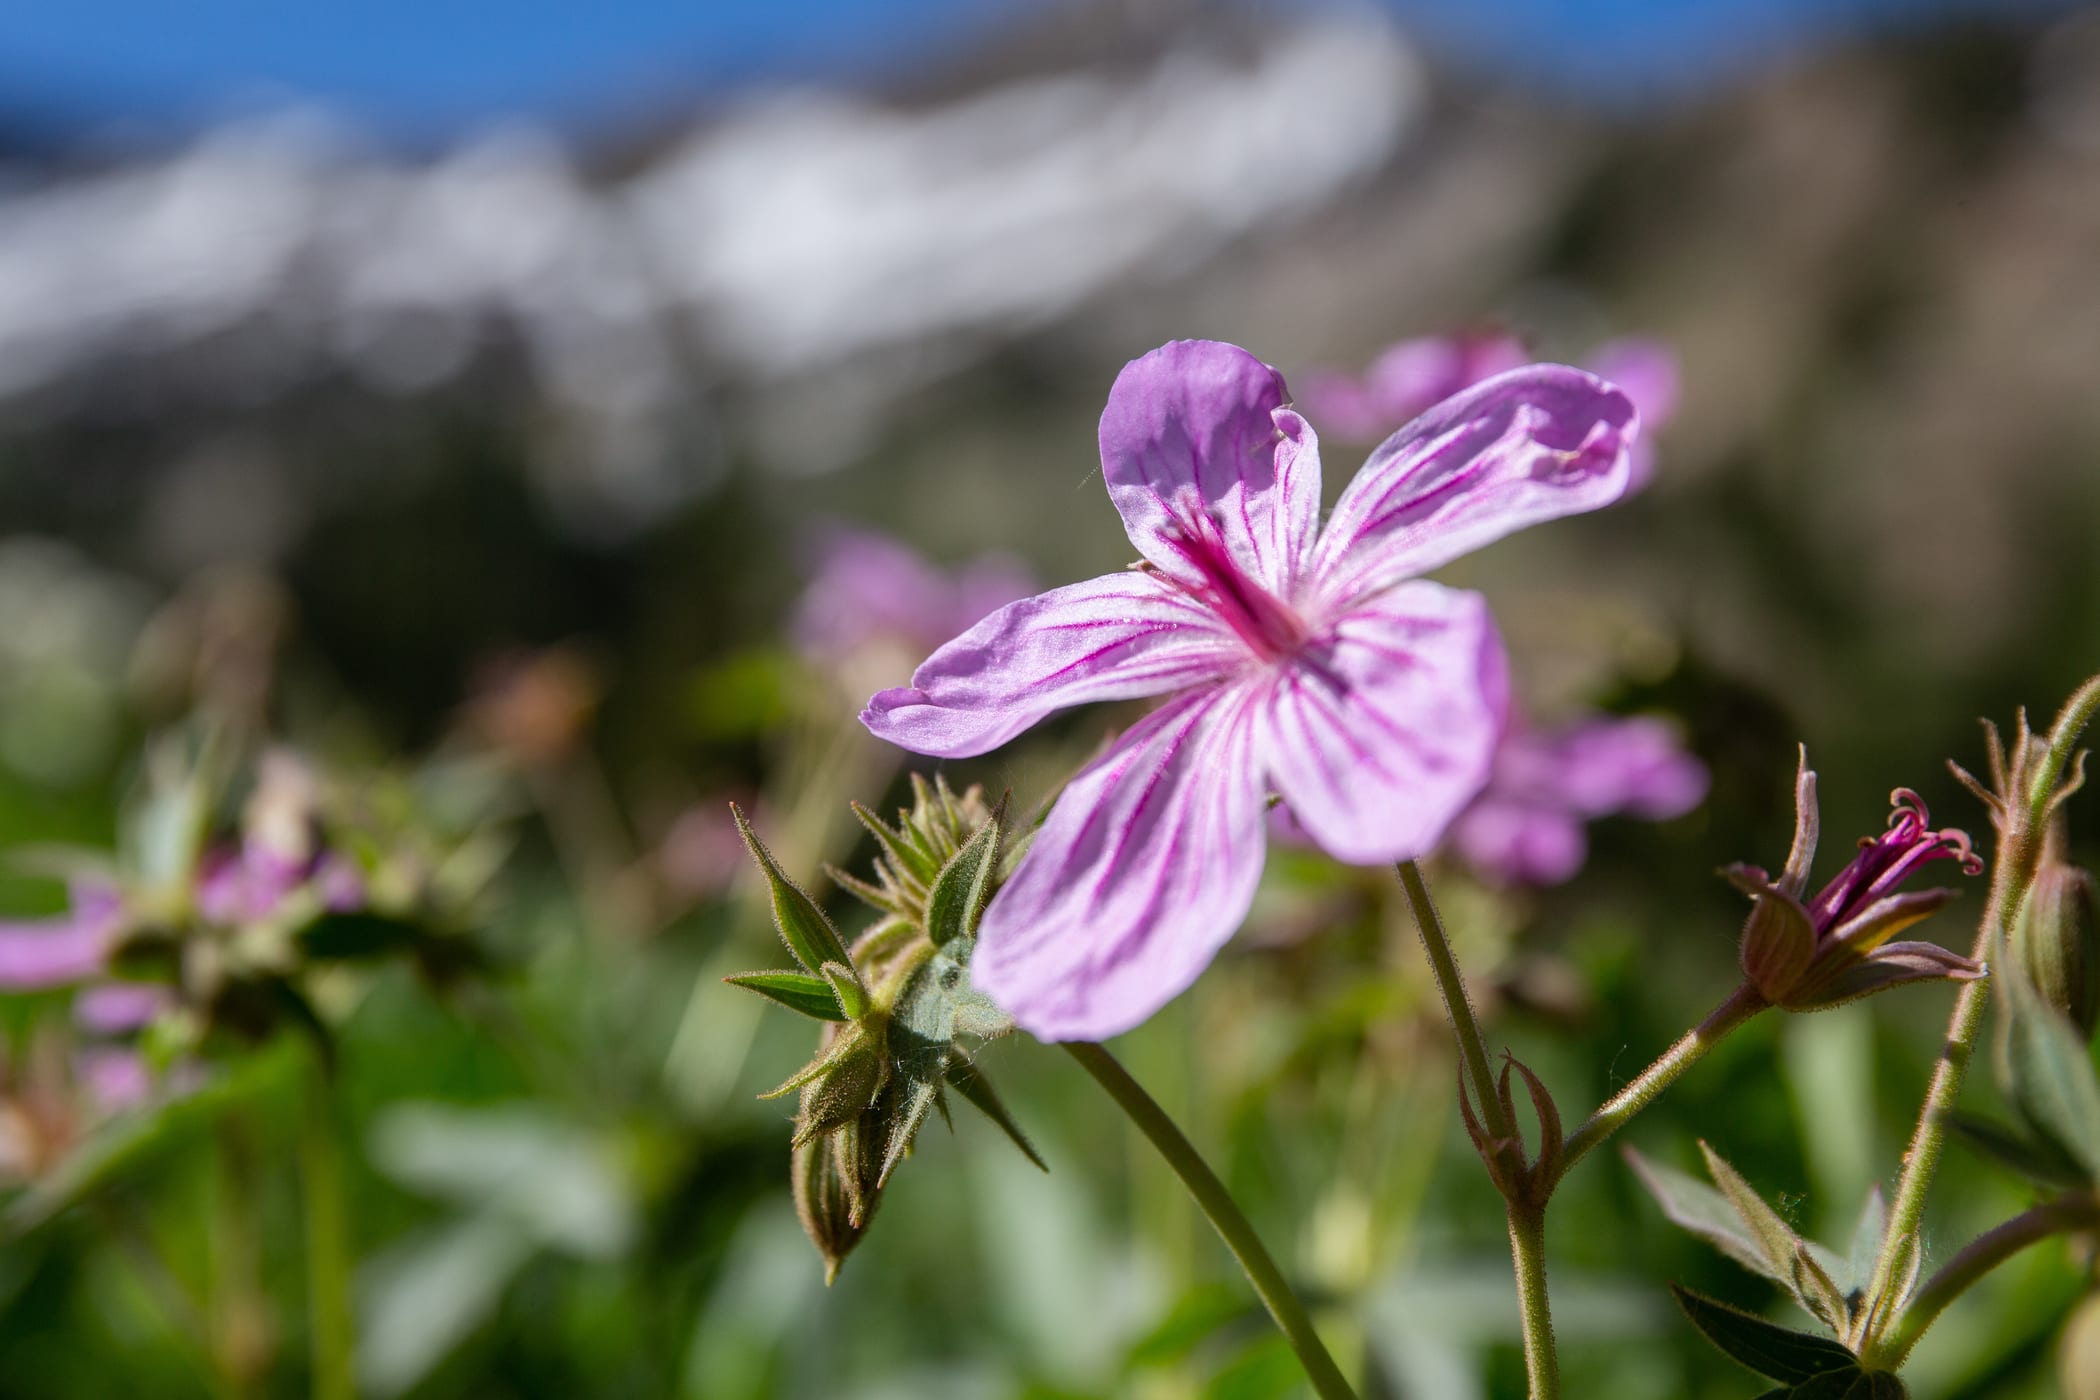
{"x": 2013, "y": 869}
{"x": 327, "y": 1243}
{"x": 2076, "y": 1211}
{"x": 1216, "y": 1202}
{"x": 1617, "y": 1111}
{"x": 1471, "y": 1048}
{"x": 1527, "y": 1249}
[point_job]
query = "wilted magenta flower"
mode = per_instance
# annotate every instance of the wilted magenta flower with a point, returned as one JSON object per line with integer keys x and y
{"x": 871, "y": 591}
{"x": 1408, "y": 377}
{"x": 63, "y": 949}
{"x": 1527, "y": 827}
{"x": 1315, "y": 663}
{"x": 1834, "y": 948}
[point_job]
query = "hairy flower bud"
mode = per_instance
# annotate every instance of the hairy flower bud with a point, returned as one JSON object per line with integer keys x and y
{"x": 900, "y": 1020}
{"x": 2056, "y": 942}
{"x": 826, "y": 1201}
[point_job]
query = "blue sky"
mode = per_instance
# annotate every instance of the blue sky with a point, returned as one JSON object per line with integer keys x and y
{"x": 423, "y": 67}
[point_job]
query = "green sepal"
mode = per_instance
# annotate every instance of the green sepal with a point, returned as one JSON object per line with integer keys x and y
{"x": 904, "y": 855}
{"x": 965, "y": 883}
{"x": 846, "y": 986}
{"x": 850, "y": 1083}
{"x": 2049, "y": 1073}
{"x": 1765, "y": 1347}
{"x": 797, "y": 991}
{"x": 848, "y": 1041}
{"x": 969, "y": 1081}
{"x": 803, "y": 926}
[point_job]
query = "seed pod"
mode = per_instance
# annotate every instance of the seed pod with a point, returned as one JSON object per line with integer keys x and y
{"x": 2056, "y": 942}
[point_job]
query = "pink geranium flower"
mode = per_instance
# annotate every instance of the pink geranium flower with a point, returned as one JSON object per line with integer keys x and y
{"x": 1315, "y": 663}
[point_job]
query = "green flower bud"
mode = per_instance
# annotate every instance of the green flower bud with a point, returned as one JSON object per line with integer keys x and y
{"x": 2057, "y": 943}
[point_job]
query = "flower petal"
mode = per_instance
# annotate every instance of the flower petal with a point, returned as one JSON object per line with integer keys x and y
{"x": 1518, "y": 449}
{"x": 1379, "y": 735}
{"x": 1600, "y": 765}
{"x": 1144, "y": 869}
{"x": 1512, "y": 842}
{"x": 1192, "y": 430}
{"x": 1112, "y": 638}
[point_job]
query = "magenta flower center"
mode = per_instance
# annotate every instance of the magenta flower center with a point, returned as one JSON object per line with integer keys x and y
{"x": 1271, "y": 630}
{"x": 1886, "y": 861}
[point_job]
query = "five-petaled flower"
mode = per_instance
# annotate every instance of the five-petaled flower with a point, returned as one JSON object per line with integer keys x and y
{"x": 1314, "y": 663}
{"x": 1807, "y": 954}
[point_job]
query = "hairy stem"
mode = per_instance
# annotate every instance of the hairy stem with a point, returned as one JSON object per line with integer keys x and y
{"x": 2075, "y": 1211}
{"x": 1617, "y": 1111}
{"x": 1471, "y": 1048}
{"x": 327, "y": 1243}
{"x": 2024, "y": 819}
{"x": 1527, "y": 1250}
{"x": 1225, "y": 1216}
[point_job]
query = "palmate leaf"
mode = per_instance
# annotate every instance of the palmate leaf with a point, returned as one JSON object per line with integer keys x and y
{"x": 1693, "y": 1205}
{"x": 1765, "y": 1347}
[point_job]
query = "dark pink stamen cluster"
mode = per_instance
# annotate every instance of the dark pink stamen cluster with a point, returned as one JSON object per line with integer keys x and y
{"x": 1886, "y": 861}
{"x": 1260, "y": 619}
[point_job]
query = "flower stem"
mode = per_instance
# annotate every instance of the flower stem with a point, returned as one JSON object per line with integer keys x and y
{"x": 1471, "y": 1048}
{"x": 327, "y": 1242}
{"x": 2075, "y": 1211}
{"x": 1742, "y": 1004}
{"x": 1527, "y": 1249}
{"x": 1216, "y": 1202}
{"x": 2024, "y": 819}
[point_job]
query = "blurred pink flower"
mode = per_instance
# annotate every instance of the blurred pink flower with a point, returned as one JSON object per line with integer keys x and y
{"x": 869, "y": 591}
{"x": 1526, "y": 828}
{"x": 1409, "y": 377}
{"x": 1318, "y": 663}
{"x": 250, "y": 882}
{"x": 66, "y": 948}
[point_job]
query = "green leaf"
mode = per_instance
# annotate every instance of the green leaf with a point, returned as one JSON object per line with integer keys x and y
{"x": 797, "y": 991}
{"x": 1854, "y": 1384}
{"x": 803, "y": 926}
{"x": 1865, "y": 1247}
{"x": 2037, "y": 1159}
{"x": 1765, "y": 1347}
{"x": 1805, "y": 1269}
{"x": 1697, "y": 1207}
{"x": 964, "y": 885}
{"x": 1195, "y": 1316}
{"x": 969, "y": 1081}
{"x": 2051, "y": 1075}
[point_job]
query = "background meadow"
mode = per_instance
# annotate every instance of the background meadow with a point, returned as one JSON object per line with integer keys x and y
{"x": 476, "y": 418}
